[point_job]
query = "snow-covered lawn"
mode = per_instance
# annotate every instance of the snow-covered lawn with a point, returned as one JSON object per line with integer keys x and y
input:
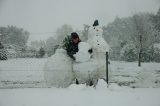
{"x": 80, "y": 95}
{"x": 28, "y": 72}
{"x": 25, "y": 73}
{"x": 128, "y": 73}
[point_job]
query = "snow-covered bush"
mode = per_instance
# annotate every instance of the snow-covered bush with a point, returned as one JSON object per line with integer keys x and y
{"x": 151, "y": 54}
{"x": 41, "y": 53}
{"x": 156, "y": 55}
{"x": 129, "y": 53}
{"x": 147, "y": 54}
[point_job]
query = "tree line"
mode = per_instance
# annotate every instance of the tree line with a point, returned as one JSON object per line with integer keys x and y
{"x": 130, "y": 38}
{"x": 134, "y": 37}
{"x": 12, "y": 35}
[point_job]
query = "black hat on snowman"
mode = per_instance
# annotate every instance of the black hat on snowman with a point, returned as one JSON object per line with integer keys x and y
{"x": 95, "y": 23}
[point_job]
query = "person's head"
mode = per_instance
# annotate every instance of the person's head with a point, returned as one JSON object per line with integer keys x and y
{"x": 75, "y": 38}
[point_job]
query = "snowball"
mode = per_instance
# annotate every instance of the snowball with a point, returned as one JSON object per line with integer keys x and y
{"x": 77, "y": 87}
{"x": 83, "y": 55}
{"x": 58, "y": 70}
{"x": 114, "y": 86}
{"x": 101, "y": 85}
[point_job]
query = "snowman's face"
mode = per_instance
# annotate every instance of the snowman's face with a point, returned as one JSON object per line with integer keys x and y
{"x": 96, "y": 40}
{"x": 84, "y": 53}
{"x": 95, "y": 31}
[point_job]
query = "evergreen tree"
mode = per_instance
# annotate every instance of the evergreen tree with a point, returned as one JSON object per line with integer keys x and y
{"x": 66, "y": 43}
{"x": 129, "y": 53}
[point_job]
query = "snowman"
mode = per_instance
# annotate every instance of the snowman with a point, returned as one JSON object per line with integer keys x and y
{"x": 99, "y": 46}
{"x": 58, "y": 70}
{"x": 96, "y": 40}
{"x": 85, "y": 67}
{"x": 94, "y": 65}
{"x": 89, "y": 65}
{"x": 61, "y": 71}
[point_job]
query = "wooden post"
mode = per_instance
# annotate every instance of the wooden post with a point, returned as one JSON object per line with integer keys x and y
{"x": 107, "y": 68}
{"x": 140, "y": 51}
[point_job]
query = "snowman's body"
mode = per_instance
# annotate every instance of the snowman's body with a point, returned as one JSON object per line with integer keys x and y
{"x": 58, "y": 70}
{"x": 100, "y": 47}
{"x": 83, "y": 55}
{"x": 95, "y": 67}
{"x": 84, "y": 67}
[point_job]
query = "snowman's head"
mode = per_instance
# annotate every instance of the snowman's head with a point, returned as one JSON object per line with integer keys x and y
{"x": 95, "y": 38}
{"x": 84, "y": 53}
{"x": 95, "y": 31}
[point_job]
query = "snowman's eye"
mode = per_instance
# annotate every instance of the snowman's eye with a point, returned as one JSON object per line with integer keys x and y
{"x": 90, "y": 51}
{"x": 94, "y": 28}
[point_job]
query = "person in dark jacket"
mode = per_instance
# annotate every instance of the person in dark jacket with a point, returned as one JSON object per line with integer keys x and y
{"x": 73, "y": 45}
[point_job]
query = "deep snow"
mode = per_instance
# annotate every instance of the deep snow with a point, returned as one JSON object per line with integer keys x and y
{"x": 81, "y": 95}
{"x": 29, "y": 73}
{"x": 25, "y": 73}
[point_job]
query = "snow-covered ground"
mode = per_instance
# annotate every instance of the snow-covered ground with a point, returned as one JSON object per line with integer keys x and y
{"x": 81, "y": 95}
{"x": 128, "y": 73}
{"x": 28, "y": 72}
{"x": 25, "y": 73}
{"x": 22, "y": 73}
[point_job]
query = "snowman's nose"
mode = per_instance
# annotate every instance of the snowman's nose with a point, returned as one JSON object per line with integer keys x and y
{"x": 97, "y": 30}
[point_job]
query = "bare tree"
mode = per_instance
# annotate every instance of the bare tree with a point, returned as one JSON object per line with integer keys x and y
{"x": 144, "y": 33}
{"x": 139, "y": 34}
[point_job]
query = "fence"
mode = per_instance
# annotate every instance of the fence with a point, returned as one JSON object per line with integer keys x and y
{"x": 29, "y": 72}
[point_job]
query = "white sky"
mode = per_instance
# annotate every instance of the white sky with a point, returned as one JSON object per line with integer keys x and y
{"x": 38, "y": 16}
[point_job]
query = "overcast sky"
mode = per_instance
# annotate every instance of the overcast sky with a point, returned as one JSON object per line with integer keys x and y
{"x": 38, "y": 16}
